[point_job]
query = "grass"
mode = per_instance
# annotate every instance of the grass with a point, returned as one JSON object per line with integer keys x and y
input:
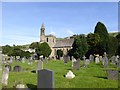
{"x": 94, "y": 76}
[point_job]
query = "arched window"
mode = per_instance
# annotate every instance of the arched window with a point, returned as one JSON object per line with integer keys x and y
{"x": 47, "y": 39}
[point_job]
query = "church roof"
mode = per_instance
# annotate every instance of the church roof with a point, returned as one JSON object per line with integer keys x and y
{"x": 64, "y": 43}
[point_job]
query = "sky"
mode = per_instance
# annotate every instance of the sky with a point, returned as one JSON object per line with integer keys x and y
{"x": 21, "y": 21}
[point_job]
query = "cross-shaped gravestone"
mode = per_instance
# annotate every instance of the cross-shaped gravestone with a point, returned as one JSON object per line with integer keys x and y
{"x": 5, "y": 76}
{"x": 45, "y": 79}
{"x": 39, "y": 65}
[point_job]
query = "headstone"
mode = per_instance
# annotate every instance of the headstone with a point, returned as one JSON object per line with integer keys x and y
{"x": 17, "y": 69}
{"x": 5, "y": 76}
{"x": 87, "y": 62}
{"x": 9, "y": 66}
{"x": 73, "y": 60}
{"x": 76, "y": 65}
{"x": 39, "y": 65}
{"x": 11, "y": 59}
{"x": 45, "y": 79}
{"x": 112, "y": 74}
{"x": 97, "y": 60}
{"x": 105, "y": 61}
{"x": 70, "y": 75}
{"x": 66, "y": 59}
{"x": 30, "y": 60}
{"x": 23, "y": 60}
{"x": 100, "y": 58}
{"x": 91, "y": 58}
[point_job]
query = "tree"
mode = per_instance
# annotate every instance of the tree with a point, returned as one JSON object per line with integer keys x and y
{"x": 6, "y": 49}
{"x": 34, "y": 45}
{"x": 59, "y": 53}
{"x": 103, "y": 45}
{"x": 43, "y": 49}
{"x": 118, "y": 40}
{"x": 80, "y": 46}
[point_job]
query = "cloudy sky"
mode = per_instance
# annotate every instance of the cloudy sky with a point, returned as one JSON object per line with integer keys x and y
{"x": 21, "y": 21}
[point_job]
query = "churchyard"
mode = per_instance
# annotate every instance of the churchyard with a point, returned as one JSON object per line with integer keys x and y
{"x": 87, "y": 74}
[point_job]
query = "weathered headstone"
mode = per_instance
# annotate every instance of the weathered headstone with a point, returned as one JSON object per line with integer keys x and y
{"x": 66, "y": 59}
{"x": 97, "y": 60}
{"x": 73, "y": 60}
{"x": 91, "y": 58}
{"x": 11, "y": 59}
{"x": 112, "y": 74}
{"x": 5, "y": 76}
{"x": 39, "y": 65}
{"x": 100, "y": 58}
{"x": 23, "y": 60}
{"x": 105, "y": 62}
{"x": 45, "y": 79}
{"x": 76, "y": 65}
{"x": 17, "y": 69}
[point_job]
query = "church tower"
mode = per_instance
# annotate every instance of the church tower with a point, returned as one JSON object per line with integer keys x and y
{"x": 42, "y": 33}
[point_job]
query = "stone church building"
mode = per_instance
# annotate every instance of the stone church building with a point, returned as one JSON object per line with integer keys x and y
{"x": 64, "y": 44}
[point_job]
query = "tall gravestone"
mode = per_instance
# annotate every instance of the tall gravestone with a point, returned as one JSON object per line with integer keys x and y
{"x": 5, "y": 75}
{"x": 39, "y": 65}
{"x": 105, "y": 60}
{"x": 45, "y": 79}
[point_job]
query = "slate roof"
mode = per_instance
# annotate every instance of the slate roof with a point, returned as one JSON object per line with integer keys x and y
{"x": 64, "y": 43}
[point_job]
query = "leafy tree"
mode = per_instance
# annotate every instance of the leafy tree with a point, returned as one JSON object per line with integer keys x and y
{"x": 103, "y": 45}
{"x": 118, "y": 40}
{"x": 27, "y": 54}
{"x": 6, "y": 49}
{"x": 80, "y": 46}
{"x": 59, "y": 53}
{"x": 43, "y": 49}
{"x": 93, "y": 39}
{"x": 34, "y": 45}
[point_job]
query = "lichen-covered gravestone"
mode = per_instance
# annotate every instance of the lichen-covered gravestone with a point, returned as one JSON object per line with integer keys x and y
{"x": 76, "y": 65}
{"x": 45, "y": 79}
{"x": 5, "y": 75}
{"x": 112, "y": 74}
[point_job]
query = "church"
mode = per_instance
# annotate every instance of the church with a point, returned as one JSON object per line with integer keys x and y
{"x": 63, "y": 44}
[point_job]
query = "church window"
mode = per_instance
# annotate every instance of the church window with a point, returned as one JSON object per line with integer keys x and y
{"x": 47, "y": 39}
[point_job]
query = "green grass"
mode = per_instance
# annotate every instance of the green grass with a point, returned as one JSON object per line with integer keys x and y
{"x": 94, "y": 76}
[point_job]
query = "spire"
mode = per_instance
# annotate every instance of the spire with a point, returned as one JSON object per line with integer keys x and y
{"x": 43, "y": 25}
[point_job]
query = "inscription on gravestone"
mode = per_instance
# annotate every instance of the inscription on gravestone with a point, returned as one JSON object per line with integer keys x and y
{"x": 45, "y": 79}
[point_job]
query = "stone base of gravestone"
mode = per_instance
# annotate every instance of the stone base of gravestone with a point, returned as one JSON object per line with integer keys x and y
{"x": 112, "y": 74}
{"x": 45, "y": 79}
{"x": 17, "y": 69}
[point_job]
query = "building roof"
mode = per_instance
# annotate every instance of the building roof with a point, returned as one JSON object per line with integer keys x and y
{"x": 64, "y": 43}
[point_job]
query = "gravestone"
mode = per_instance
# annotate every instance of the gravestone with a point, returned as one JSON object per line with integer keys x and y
{"x": 97, "y": 60}
{"x": 23, "y": 60}
{"x": 91, "y": 58}
{"x": 11, "y": 59}
{"x": 45, "y": 79}
{"x": 105, "y": 62}
{"x": 73, "y": 60}
{"x": 9, "y": 66}
{"x": 100, "y": 58}
{"x": 17, "y": 69}
{"x": 113, "y": 60}
{"x": 39, "y": 65}
{"x": 30, "y": 60}
{"x": 5, "y": 76}
{"x": 112, "y": 74}
{"x": 76, "y": 65}
{"x": 87, "y": 62}
{"x": 66, "y": 59}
